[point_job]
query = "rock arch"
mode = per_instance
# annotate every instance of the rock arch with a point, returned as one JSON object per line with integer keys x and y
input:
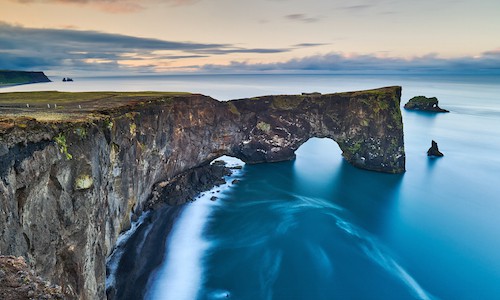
{"x": 366, "y": 125}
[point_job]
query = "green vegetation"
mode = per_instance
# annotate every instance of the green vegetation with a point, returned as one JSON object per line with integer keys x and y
{"x": 21, "y": 77}
{"x": 81, "y": 132}
{"x": 287, "y": 102}
{"x": 355, "y": 147}
{"x": 102, "y": 98}
{"x": 108, "y": 123}
{"x": 233, "y": 108}
{"x": 83, "y": 182}
{"x": 63, "y": 147}
{"x": 264, "y": 126}
{"x": 73, "y": 107}
{"x": 423, "y": 100}
{"x": 133, "y": 129}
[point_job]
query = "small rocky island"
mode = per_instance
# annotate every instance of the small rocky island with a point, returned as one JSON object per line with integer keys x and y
{"x": 73, "y": 177}
{"x": 422, "y": 103}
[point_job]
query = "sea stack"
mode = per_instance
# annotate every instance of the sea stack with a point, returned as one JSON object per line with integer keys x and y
{"x": 423, "y": 103}
{"x": 434, "y": 150}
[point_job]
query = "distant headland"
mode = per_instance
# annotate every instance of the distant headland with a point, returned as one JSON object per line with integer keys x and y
{"x": 9, "y": 77}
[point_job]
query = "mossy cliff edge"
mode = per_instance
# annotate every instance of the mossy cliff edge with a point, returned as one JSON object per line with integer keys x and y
{"x": 72, "y": 175}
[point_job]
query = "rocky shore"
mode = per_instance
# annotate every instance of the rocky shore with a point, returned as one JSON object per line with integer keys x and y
{"x": 130, "y": 272}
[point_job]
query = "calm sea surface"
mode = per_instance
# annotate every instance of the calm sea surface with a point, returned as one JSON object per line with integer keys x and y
{"x": 318, "y": 228}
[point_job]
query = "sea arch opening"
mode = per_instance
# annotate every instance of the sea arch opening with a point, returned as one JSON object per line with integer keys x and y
{"x": 317, "y": 162}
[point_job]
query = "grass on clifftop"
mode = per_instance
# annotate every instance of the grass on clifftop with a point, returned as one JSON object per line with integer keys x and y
{"x": 53, "y": 97}
{"x": 66, "y": 106}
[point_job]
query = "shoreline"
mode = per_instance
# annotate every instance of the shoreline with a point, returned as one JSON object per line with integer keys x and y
{"x": 128, "y": 275}
{"x": 149, "y": 240}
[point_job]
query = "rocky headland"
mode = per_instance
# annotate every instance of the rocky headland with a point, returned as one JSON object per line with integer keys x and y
{"x": 422, "y": 103}
{"x": 75, "y": 168}
{"x": 8, "y": 78}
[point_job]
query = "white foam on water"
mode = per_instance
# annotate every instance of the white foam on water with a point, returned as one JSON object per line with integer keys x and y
{"x": 376, "y": 253}
{"x": 180, "y": 277}
{"x": 271, "y": 262}
{"x": 113, "y": 260}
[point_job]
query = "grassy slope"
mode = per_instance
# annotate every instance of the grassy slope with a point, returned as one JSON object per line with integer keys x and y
{"x": 8, "y": 78}
{"x": 65, "y": 106}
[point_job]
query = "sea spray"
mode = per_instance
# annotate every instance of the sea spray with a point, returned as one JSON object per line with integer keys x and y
{"x": 181, "y": 274}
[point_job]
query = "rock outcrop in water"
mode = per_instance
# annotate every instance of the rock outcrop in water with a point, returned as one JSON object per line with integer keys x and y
{"x": 434, "y": 150}
{"x": 72, "y": 176}
{"x": 422, "y": 103}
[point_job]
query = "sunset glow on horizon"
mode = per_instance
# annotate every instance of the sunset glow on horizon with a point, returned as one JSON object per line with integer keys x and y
{"x": 175, "y": 36}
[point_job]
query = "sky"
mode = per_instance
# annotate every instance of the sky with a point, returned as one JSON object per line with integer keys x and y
{"x": 243, "y": 36}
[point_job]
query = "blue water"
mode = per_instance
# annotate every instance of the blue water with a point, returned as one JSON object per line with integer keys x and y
{"x": 318, "y": 228}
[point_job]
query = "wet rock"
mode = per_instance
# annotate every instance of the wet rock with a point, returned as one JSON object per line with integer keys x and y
{"x": 187, "y": 185}
{"x": 434, "y": 150}
{"x": 213, "y": 198}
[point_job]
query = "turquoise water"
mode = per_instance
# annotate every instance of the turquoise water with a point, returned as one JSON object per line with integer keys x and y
{"x": 318, "y": 228}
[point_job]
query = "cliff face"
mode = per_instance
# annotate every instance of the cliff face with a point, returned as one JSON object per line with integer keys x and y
{"x": 69, "y": 186}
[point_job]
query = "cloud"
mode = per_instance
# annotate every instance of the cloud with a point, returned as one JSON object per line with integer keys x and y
{"x": 241, "y": 50}
{"x": 68, "y": 49}
{"x": 357, "y": 7}
{"x": 114, "y": 6}
{"x": 306, "y": 45}
{"x": 302, "y": 18}
{"x": 487, "y": 63}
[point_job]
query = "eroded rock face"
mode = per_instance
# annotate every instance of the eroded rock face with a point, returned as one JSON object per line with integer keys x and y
{"x": 68, "y": 188}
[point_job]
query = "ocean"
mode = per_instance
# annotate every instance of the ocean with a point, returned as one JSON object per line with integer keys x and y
{"x": 318, "y": 228}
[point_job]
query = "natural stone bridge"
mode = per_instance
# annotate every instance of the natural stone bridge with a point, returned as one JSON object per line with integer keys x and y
{"x": 71, "y": 176}
{"x": 366, "y": 125}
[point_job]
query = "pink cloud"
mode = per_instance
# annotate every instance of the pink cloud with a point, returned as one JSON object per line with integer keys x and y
{"x": 113, "y": 6}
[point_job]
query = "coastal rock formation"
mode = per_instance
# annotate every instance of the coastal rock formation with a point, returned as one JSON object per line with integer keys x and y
{"x": 423, "y": 103}
{"x": 71, "y": 177}
{"x": 434, "y": 150}
{"x": 21, "y": 77}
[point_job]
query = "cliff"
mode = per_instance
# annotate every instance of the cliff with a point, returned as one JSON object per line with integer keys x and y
{"x": 21, "y": 77}
{"x": 73, "y": 175}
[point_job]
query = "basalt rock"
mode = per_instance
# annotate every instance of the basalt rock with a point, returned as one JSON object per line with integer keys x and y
{"x": 72, "y": 176}
{"x": 434, "y": 150}
{"x": 423, "y": 103}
